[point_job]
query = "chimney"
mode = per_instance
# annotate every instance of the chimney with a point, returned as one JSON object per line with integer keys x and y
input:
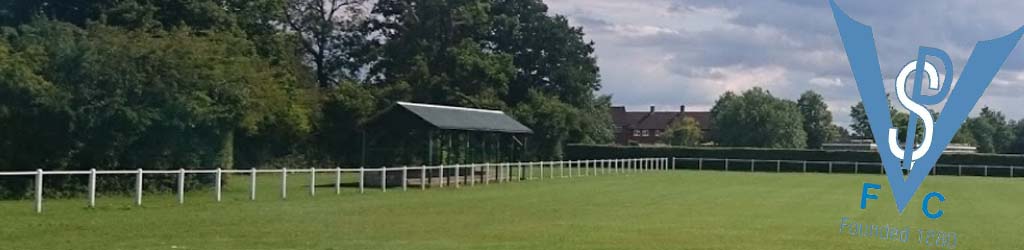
{"x": 652, "y": 108}
{"x": 682, "y": 108}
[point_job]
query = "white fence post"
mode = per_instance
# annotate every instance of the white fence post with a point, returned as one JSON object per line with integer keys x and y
{"x": 549, "y": 170}
{"x": 529, "y": 170}
{"x": 337, "y": 180}
{"x": 138, "y": 187}
{"x": 284, "y": 183}
{"x": 362, "y": 179}
{"x": 830, "y": 167}
{"x": 472, "y": 175}
{"x": 591, "y": 167}
{"x": 181, "y": 186}
{"x": 312, "y": 181}
{"x": 383, "y": 179}
{"x": 423, "y": 177}
{"x": 778, "y": 166}
{"x": 700, "y": 164}
{"x": 579, "y": 167}
{"x": 561, "y": 169}
{"x": 252, "y": 184}
{"x": 752, "y": 161}
{"x": 574, "y": 165}
{"x": 39, "y": 191}
{"x": 440, "y": 175}
{"x": 457, "y": 177}
{"x": 219, "y": 183}
{"x": 502, "y": 169}
{"x": 727, "y": 164}
{"x": 585, "y": 168}
{"x": 405, "y": 178}
{"x": 521, "y": 170}
{"x": 92, "y": 187}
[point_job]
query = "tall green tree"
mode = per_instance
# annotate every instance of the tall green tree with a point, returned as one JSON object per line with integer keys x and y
{"x": 549, "y": 54}
{"x": 817, "y": 119}
{"x": 489, "y": 54}
{"x": 990, "y": 131}
{"x": 684, "y": 132}
{"x": 758, "y": 119}
{"x": 1017, "y": 145}
{"x": 553, "y": 57}
{"x": 121, "y": 99}
{"x": 435, "y": 52}
{"x": 861, "y": 126}
{"x": 327, "y": 31}
{"x": 550, "y": 120}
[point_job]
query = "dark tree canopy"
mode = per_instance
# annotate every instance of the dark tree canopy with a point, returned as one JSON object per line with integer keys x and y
{"x": 777, "y": 123}
{"x": 817, "y": 119}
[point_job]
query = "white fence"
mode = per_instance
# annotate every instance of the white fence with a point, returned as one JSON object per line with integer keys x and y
{"x": 764, "y": 165}
{"x": 524, "y": 171}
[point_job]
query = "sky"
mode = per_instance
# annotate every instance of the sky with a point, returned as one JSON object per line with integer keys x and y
{"x": 668, "y": 53}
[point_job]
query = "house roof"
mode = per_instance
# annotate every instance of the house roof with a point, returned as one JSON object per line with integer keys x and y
{"x": 703, "y": 118}
{"x": 460, "y": 118}
{"x": 657, "y": 119}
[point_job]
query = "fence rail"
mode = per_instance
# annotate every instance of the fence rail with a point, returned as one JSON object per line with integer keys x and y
{"x": 502, "y": 172}
{"x": 765, "y": 165}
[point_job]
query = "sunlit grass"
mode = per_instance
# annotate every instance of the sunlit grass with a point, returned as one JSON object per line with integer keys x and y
{"x": 658, "y": 210}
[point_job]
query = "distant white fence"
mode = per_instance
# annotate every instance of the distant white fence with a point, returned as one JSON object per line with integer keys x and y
{"x": 803, "y": 166}
{"x": 524, "y": 171}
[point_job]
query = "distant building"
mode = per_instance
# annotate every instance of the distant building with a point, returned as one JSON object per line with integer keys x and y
{"x": 646, "y": 127}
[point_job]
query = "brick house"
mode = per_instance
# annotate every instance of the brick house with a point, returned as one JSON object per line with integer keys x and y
{"x": 646, "y": 127}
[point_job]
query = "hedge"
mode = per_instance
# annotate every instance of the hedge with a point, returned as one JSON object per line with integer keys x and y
{"x": 581, "y": 152}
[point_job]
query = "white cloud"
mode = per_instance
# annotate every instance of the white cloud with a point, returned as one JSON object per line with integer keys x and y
{"x": 827, "y": 82}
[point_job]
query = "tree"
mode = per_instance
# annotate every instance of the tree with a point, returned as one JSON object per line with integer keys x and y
{"x": 990, "y": 131}
{"x": 489, "y": 54}
{"x": 1017, "y": 145}
{"x": 861, "y": 126}
{"x": 758, "y": 119}
{"x": 550, "y": 120}
{"x": 327, "y": 33}
{"x": 550, "y": 54}
{"x": 839, "y": 133}
{"x": 121, "y": 99}
{"x": 684, "y": 132}
{"x": 817, "y": 119}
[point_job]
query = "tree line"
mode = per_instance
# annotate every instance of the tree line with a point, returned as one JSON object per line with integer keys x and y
{"x": 126, "y": 84}
{"x": 756, "y": 118}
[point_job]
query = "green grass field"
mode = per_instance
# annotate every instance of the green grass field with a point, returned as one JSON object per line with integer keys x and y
{"x": 660, "y": 210}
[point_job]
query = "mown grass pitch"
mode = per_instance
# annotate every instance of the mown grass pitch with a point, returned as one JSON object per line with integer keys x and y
{"x": 659, "y": 210}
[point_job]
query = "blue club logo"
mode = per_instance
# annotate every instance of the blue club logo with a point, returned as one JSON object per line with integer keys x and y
{"x": 977, "y": 74}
